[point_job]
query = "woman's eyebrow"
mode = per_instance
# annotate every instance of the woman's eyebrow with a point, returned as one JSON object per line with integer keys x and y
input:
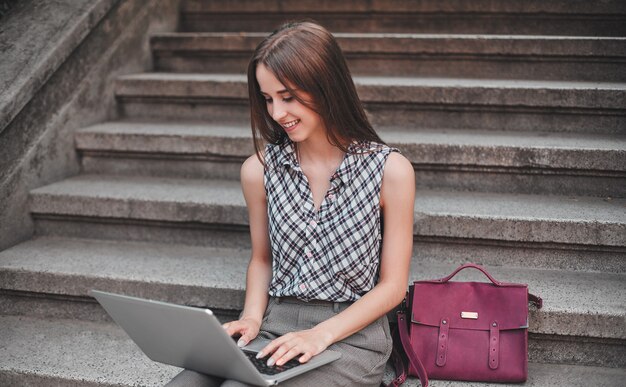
{"x": 283, "y": 91}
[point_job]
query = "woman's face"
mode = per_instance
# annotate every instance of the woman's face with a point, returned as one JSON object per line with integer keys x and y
{"x": 298, "y": 121}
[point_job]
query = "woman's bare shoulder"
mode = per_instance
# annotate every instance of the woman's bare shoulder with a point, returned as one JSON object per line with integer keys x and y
{"x": 398, "y": 185}
{"x": 252, "y": 170}
{"x": 398, "y": 167}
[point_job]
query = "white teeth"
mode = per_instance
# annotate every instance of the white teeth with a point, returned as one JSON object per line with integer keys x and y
{"x": 290, "y": 124}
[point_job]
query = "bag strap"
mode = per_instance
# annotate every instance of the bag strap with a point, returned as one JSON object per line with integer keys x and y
{"x": 406, "y": 344}
{"x": 398, "y": 363}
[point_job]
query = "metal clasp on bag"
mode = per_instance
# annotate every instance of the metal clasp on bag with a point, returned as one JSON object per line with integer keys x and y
{"x": 470, "y": 315}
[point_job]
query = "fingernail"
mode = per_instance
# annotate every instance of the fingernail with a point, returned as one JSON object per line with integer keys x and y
{"x": 270, "y": 362}
{"x": 241, "y": 343}
{"x": 259, "y": 355}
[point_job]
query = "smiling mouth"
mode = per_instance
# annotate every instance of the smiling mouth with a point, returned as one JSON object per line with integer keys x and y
{"x": 290, "y": 124}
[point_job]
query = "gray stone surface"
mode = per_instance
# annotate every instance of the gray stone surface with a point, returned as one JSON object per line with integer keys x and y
{"x": 527, "y": 93}
{"x": 467, "y": 55}
{"x": 207, "y": 139}
{"x": 555, "y": 349}
{"x": 37, "y": 146}
{"x": 512, "y": 254}
{"x": 74, "y": 353}
{"x": 27, "y": 60}
{"x": 512, "y": 105}
{"x": 548, "y": 375}
{"x": 575, "y": 303}
{"x": 470, "y": 215}
{"x": 491, "y": 17}
{"x": 530, "y": 218}
{"x": 561, "y": 7}
{"x": 407, "y": 43}
{"x": 455, "y": 147}
{"x": 77, "y": 353}
{"x": 193, "y": 233}
{"x": 486, "y": 161}
{"x": 189, "y": 275}
{"x": 180, "y": 200}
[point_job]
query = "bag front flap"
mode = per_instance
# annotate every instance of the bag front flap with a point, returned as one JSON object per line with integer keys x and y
{"x": 469, "y": 305}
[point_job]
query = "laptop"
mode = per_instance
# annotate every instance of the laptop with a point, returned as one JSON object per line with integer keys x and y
{"x": 193, "y": 338}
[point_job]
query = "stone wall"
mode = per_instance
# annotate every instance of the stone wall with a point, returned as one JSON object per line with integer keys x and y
{"x": 37, "y": 146}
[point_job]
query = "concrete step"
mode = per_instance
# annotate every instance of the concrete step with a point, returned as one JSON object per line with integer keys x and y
{"x": 401, "y": 101}
{"x": 581, "y": 322}
{"x": 529, "y": 218}
{"x": 548, "y": 375}
{"x": 57, "y": 352}
{"x": 102, "y": 355}
{"x": 546, "y": 163}
{"x": 581, "y": 231}
{"x": 449, "y": 16}
{"x": 424, "y": 55}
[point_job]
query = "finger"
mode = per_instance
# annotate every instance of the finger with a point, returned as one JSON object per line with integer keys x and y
{"x": 306, "y": 357}
{"x": 235, "y": 327}
{"x": 293, "y": 352}
{"x": 279, "y": 353}
{"x": 271, "y": 347}
{"x": 245, "y": 339}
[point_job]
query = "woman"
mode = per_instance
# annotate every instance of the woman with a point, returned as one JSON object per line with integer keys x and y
{"x": 322, "y": 272}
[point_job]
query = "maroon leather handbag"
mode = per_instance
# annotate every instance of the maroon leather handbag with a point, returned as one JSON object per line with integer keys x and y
{"x": 471, "y": 331}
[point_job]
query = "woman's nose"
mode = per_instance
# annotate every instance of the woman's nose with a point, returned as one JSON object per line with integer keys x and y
{"x": 278, "y": 112}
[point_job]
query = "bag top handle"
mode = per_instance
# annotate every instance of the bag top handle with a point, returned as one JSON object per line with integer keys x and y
{"x": 536, "y": 300}
{"x": 474, "y": 266}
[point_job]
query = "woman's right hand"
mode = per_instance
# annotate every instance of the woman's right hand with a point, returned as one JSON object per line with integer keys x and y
{"x": 247, "y": 327}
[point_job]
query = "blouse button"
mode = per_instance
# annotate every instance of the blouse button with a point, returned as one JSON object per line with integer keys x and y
{"x": 331, "y": 197}
{"x": 302, "y": 286}
{"x": 313, "y": 223}
{"x": 309, "y": 254}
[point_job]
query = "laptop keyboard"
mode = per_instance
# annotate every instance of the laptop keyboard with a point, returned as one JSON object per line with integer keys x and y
{"x": 261, "y": 364}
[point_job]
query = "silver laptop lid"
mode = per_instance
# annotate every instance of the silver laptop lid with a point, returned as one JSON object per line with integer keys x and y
{"x": 192, "y": 338}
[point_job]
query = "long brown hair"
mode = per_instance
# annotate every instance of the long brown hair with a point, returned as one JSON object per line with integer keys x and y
{"x": 305, "y": 56}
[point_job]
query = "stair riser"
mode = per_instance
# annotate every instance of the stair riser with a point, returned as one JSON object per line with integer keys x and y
{"x": 426, "y": 249}
{"x": 587, "y": 97}
{"x": 472, "y": 23}
{"x": 54, "y": 306}
{"x": 196, "y": 234}
{"x": 469, "y": 178}
{"x": 462, "y": 66}
{"x": 444, "y": 116}
{"x": 497, "y": 118}
{"x": 161, "y": 165}
{"x": 426, "y": 224}
{"x": 534, "y": 17}
{"x": 12, "y": 378}
{"x": 576, "y": 350}
{"x": 447, "y": 151}
{"x": 509, "y": 254}
{"x": 544, "y": 348}
{"x": 40, "y": 305}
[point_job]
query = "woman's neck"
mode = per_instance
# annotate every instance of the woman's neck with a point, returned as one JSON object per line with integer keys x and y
{"x": 319, "y": 151}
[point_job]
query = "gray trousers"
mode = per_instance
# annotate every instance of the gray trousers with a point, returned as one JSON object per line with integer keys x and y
{"x": 363, "y": 354}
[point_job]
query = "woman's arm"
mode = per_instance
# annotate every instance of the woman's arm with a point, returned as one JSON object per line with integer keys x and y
{"x": 397, "y": 202}
{"x": 260, "y": 267}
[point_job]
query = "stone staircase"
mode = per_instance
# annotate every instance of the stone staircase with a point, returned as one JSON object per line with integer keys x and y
{"x": 518, "y": 143}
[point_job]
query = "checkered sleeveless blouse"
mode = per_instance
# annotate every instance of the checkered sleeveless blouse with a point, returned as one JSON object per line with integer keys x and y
{"x": 332, "y": 254}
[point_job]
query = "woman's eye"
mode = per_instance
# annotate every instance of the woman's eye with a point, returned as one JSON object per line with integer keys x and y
{"x": 288, "y": 99}
{"x": 268, "y": 100}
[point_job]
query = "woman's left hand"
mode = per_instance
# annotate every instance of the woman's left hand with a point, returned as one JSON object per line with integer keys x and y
{"x": 309, "y": 343}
